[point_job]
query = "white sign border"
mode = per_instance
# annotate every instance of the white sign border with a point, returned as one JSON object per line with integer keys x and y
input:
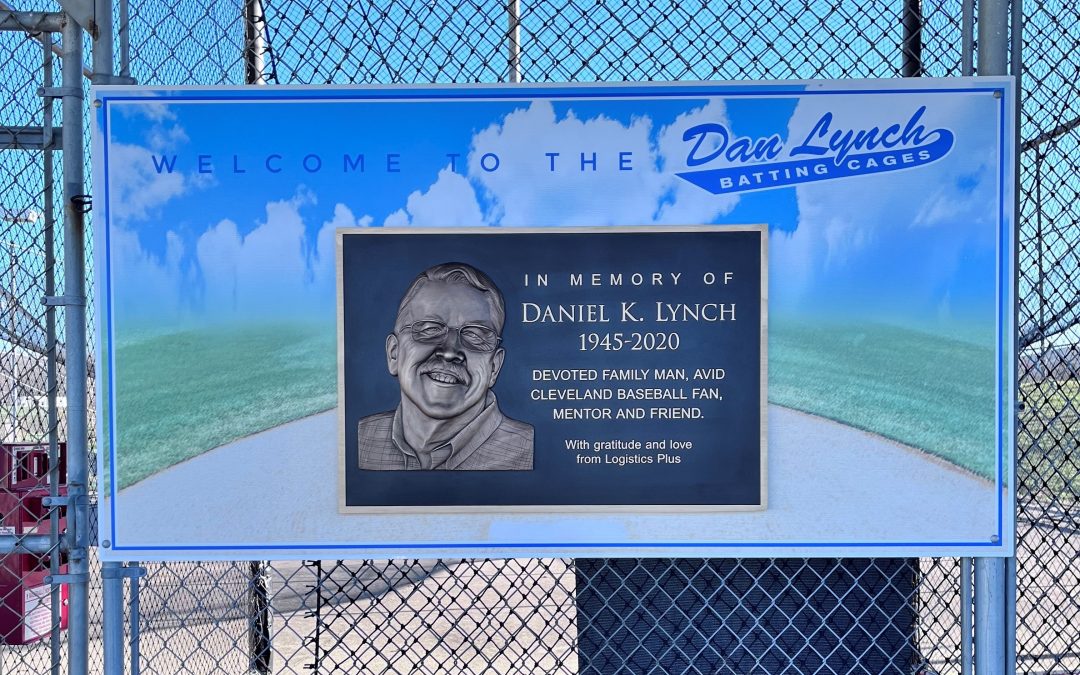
{"x": 1000, "y": 545}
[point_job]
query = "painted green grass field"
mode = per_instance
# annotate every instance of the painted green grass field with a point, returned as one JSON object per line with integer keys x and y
{"x": 927, "y": 391}
{"x": 182, "y": 394}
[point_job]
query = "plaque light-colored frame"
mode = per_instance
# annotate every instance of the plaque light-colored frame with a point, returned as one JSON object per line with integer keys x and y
{"x": 763, "y": 373}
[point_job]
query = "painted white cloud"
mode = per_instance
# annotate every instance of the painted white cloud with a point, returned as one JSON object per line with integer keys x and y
{"x": 272, "y": 270}
{"x": 275, "y": 270}
{"x": 687, "y": 203}
{"x": 144, "y": 280}
{"x": 322, "y": 260}
{"x": 163, "y": 138}
{"x": 950, "y": 203}
{"x": 843, "y": 224}
{"x": 137, "y": 188}
{"x": 157, "y": 111}
{"x": 449, "y": 202}
{"x": 525, "y": 191}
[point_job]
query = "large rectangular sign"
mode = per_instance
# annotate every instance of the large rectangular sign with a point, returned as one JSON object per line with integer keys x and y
{"x": 643, "y": 320}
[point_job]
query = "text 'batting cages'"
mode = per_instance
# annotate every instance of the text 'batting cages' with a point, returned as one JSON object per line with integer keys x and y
{"x": 426, "y": 45}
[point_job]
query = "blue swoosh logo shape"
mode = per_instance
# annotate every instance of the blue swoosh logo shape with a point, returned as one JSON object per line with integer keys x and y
{"x": 767, "y": 176}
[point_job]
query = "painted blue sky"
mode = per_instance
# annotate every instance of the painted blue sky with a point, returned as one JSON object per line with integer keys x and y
{"x": 239, "y": 240}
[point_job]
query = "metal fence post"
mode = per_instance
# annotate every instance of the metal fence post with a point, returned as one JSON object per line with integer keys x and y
{"x": 112, "y": 584}
{"x": 989, "y": 616}
{"x": 967, "y": 38}
{"x": 102, "y": 52}
{"x": 124, "y": 33}
{"x": 51, "y": 386}
{"x": 134, "y": 643}
{"x": 75, "y": 343}
{"x": 993, "y": 37}
{"x": 1017, "y": 70}
{"x": 112, "y": 597}
{"x": 513, "y": 27}
{"x": 990, "y": 633}
{"x": 260, "y": 646}
{"x": 911, "y": 50}
{"x": 254, "y": 42}
{"x": 112, "y": 578}
{"x": 965, "y": 616}
{"x": 1016, "y": 60}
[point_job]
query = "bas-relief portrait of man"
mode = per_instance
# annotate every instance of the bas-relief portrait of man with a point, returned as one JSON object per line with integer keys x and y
{"x": 446, "y": 353}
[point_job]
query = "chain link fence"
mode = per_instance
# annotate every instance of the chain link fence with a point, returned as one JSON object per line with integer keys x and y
{"x": 31, "y": 357}
{"x": 1048, "y": 429}
{"x": 561, "y": 615}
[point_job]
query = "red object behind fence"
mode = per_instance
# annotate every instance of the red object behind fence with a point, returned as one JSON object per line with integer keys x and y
{"x": 25, "y": 599}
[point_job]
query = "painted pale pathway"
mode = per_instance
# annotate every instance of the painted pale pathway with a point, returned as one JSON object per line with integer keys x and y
{"x": 828, "y": 483}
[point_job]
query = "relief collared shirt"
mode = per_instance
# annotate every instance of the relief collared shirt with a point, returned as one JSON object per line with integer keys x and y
{"x": 490, "y": 442}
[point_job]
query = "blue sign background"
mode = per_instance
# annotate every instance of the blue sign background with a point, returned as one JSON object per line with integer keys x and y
{"x": 890, "y": 306}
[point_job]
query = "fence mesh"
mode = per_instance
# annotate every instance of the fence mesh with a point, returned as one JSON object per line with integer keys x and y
{"x": 31, "y": 384}
{"x": 558, "y": 616}
{"x": 1048, "y": 429}
{"x": 571, "y": 616}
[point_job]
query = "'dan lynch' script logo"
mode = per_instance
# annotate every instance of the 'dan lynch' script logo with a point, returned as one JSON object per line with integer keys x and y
{"x": 742, "y": 164}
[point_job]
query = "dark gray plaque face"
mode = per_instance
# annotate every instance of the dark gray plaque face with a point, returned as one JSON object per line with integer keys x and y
{"x": 547, "y": 369}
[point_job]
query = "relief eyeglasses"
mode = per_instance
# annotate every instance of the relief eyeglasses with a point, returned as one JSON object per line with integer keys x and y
{"x": 474, "y": 337}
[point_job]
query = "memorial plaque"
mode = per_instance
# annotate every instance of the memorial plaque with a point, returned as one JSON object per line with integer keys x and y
{"x": 625, "y": 366}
